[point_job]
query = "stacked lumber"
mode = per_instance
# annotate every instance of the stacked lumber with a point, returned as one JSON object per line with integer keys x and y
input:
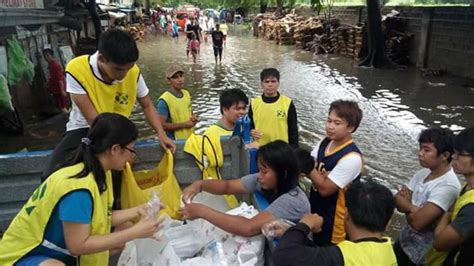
{"x": 306, "y": 30}
{"x": 397, "y": 40}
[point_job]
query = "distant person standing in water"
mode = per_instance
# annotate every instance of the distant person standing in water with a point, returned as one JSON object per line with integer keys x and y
{"x": 56, "y": 82}
{"x": 224, "y": 28}
{"x": 217, "y": 42}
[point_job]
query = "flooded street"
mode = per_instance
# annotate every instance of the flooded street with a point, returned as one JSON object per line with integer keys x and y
{"x": 397, "y": 104}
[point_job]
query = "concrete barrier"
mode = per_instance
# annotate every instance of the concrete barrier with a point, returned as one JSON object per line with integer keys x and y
{"x": 20, "y": 172}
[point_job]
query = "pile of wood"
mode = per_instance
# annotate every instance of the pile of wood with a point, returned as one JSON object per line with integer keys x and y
{"x": 137, "y": 30}
{"x": 306, "y": 30}
{"x": 311, "y": 34}
{"x": 397, "y": 40}
{"x": 319, "y": 36}
{"x": 349, "y": 40}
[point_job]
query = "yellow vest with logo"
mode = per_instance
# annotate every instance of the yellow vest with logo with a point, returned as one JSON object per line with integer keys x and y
{"x": 271, "y": 119}
{"x": 435, "y": 257}
{"x": 180, "y": 111}
{"x": 368, "y": 253}
{"x": 210, "y": 146}
{"x": 116, "y": 98}
{"x": 27, "y": 230}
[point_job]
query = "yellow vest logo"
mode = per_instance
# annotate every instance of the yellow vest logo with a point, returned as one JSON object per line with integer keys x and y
{"x": 37, "y": 195}
{"x": 121, "y": 98}
{"x": 281, "y": 114}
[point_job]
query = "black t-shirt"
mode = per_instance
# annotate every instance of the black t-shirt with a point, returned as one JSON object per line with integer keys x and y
{"x": 217, "y": 38}
{"x": 195, "y": 28}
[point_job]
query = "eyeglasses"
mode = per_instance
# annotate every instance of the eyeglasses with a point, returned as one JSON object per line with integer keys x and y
{"x": 133, "y": 152}
{"x": 457, "y": 155}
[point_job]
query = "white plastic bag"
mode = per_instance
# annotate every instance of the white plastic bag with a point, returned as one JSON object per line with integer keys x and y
{"x": 276, "y": 228}
{"x": 184, "y": 240}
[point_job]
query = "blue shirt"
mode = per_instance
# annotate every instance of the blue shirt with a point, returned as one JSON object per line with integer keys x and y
{"x": 75, "y": 207}
{"x": 163, "y": 110}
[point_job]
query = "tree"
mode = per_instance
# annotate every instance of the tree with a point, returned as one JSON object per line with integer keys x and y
{"x": 376, "y": 56}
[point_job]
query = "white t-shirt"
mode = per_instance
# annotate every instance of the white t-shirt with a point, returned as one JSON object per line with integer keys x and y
{"x": 346, "y": 170}
{"x": 76, "y": 118}
{"x": 210, "y": 24}
{"x": 442, "y": 192}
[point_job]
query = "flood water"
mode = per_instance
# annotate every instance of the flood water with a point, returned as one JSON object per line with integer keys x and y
{"x": 396, "y": 104}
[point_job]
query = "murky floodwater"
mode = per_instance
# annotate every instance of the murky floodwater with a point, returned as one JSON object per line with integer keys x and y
{"x": 397, "y": 104}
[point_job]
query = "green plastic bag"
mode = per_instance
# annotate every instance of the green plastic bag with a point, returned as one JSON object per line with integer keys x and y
{"x": 19, "y": 66}
{"x": 5, "y": 98}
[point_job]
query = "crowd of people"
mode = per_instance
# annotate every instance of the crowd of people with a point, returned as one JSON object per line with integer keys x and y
{"x": 340, "y": 219}
{"x": 197, "y": 28}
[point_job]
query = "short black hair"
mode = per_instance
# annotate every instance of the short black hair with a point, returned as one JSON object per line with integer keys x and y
{"x": 118, "y": 47}
{"x": 269, "y": 72}
{"x": 464, "y": 141}
{"x": 231, "y": 97}
{"x": 48, "y": 51}
{"x": 442, "y": 139}
{"x": 349, "y": 111}
{"x": 370, "y": 205}
{"x": 305, "y": 160}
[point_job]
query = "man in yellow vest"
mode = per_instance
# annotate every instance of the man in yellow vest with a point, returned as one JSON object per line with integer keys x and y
{"x": 455, "y": 231}
{"x": 106, "y": 81}
{"x": 174, "y": 106}
{"x": 233, "y": 105}
{"x": 273, "y": 115}
{"x": 370, "y": 207}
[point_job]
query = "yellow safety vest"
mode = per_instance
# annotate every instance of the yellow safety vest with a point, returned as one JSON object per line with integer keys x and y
{"x": 116, "y": 98}
{"x": 209, "y": 146}
{"x": 180, "y": 111}
{"x": 217, "y": 131}
{"x": 271, "y": 119}
{"x": 368, "y": 253}
{"x": 435, "y": 257}
{"x": 27, "y": 230}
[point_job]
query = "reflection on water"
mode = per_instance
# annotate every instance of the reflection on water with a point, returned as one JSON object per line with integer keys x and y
{"x": 396, "y": 104}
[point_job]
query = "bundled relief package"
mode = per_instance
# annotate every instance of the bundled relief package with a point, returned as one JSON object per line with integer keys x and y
{"x": 197, "y": 243}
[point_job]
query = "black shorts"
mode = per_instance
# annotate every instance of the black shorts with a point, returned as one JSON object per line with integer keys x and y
{"x": 217, "y": 50}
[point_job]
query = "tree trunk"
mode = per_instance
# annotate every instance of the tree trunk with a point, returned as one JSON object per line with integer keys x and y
{"x": 263, "y": 6}
{"x": 279, "y": 9}
{"x": 91, "y": 6}
{"x": 376, "y": 56}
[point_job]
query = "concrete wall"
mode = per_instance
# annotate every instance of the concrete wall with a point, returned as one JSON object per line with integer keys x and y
{"x": 20, "y": 172}
{"x": 443, "y": 36}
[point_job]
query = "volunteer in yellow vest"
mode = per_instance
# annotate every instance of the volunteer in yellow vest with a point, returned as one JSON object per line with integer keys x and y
{"x": 370, "y": 207}
{"x": 233, "y": 105}
{"x": 273, "y": 115}
{"x": 68, "y": 218}
{"x": 106, "y": 81}
{"x": 455, "y": 231}
{"x": 174, "y": 106}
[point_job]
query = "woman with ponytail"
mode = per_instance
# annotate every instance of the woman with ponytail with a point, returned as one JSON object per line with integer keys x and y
{"x": 69, "y": 217}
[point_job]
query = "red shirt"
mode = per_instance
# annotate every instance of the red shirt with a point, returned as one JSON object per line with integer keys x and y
{"x": 56, "y": 77}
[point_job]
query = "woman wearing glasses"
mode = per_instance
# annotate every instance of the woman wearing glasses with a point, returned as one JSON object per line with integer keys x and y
{"x": 454, "y": 233}
{"x": 69, "y": 217}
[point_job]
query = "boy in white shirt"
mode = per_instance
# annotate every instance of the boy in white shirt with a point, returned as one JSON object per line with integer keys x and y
{"x": 429, "y": 194}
